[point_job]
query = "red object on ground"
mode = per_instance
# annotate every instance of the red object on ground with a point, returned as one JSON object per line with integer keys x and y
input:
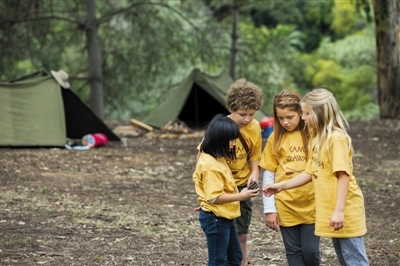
{"x": 95, "y": 140}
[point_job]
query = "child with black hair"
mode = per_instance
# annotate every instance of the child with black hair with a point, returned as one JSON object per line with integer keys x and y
{"x": 219, "y": 197}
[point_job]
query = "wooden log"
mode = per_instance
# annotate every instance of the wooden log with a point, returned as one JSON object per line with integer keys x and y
{"x": 141, "y": 124}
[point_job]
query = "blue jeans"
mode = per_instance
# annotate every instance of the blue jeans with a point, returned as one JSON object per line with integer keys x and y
{"x": 222, "y": 240}
{"x": 350, "y": 251}
{"x": 301, "y": 245}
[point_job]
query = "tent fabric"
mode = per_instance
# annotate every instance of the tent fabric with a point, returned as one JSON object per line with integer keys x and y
{"x": 22, "y": 104}
{"x": 35, "y": 111}
{"x": 195, "y": 100}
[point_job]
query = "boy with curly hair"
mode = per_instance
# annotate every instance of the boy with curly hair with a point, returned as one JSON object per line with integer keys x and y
{"x": 242, "y": 100}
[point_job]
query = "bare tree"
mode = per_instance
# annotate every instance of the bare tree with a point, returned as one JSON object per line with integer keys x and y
{"x": 387, "y": 21}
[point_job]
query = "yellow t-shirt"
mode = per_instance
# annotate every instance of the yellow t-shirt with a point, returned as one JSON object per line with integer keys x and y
{"x": 294, "y": 206}
{"x": 322, "y": 168}
{"x": 240, "y": 167}
{"x": 212, "y": 178}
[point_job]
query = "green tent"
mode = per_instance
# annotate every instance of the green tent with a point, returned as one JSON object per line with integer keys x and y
{"x": 36, "y": 111}
{"x": 194, "y": 101}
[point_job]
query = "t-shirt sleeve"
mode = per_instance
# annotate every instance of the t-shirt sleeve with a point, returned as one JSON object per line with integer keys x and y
{"x": 268, "y": 161}
{"x": 213, "y": 182}
{"x": 256, "y": 145}
{"x": 339, "y": 152}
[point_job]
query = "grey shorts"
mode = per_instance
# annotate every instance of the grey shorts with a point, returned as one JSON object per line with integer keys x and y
{"x": 242, "y": 223}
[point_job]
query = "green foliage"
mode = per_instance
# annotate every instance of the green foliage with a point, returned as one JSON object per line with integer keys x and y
{"x": 149, "y": 55}
{"x": 312, "y": 18}
{"x": 351, "y": 87}
{"x": 348, "y": 68}
{"x": 343, "y": 21}
{"x": 264, "y": 56}
{"x": 44, "y": 190}
{"x": 346, "y": 19}
{"x": 353, "y": 51}
{"x": 41, "y": 42}
{"x": 152, "y": 45}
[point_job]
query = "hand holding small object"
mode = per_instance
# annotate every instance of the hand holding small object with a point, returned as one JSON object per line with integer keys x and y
{"x": 249, "y": 193}
{"x": 271, "y": 189}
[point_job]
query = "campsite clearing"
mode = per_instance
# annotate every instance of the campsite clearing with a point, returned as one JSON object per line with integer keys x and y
{"x": 133, "y": 204}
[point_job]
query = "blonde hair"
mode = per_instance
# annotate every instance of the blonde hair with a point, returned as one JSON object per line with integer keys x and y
{"x": 290, "y": 100}
{"x": 326, "y": 116}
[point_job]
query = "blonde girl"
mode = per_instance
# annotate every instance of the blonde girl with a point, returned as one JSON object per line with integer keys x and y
{"x": 340, "y": 212}
{"x": 284, "y": 156}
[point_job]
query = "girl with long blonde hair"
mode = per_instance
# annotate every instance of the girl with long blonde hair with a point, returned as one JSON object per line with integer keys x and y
{"x": 339, "y": 202}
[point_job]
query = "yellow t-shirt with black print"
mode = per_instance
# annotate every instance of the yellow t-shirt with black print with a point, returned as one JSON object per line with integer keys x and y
{"x": 212, "y": 178}
{"x": 240, "y": 167}
{"x": 322, "y": 167}
{"x": 294, "y": 206}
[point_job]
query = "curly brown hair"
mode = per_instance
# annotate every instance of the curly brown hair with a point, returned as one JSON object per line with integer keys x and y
{"x": 244, "y": 94}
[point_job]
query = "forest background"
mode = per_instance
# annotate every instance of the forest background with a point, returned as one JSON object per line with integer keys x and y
{"x": 124, "y": 56}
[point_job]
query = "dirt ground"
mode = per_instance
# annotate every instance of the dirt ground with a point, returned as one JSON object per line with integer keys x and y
{"x": 133, "y": 204}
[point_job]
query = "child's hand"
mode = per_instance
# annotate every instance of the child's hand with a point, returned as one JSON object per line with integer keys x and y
{"x": 246, "y": 193}
{"x": 197, "y": 209}
{"x": 271, "y": 189}
{"x": 272, "y": 221}
{"x": 337, "y": 220}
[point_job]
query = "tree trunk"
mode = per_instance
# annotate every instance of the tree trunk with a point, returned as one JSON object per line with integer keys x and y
{"x": 387, "y": 22}
{"x": 95, "y": 71}
{"x": 235, "y": 21}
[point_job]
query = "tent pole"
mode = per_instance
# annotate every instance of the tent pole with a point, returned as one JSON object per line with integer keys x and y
{"x": 196, "y": 107}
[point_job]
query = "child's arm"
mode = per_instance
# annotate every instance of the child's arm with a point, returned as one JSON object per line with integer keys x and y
{"x": 271, "y": 214}
{"x": 255, "y": 172}
{"x": 244, "y": 194}
{"x": 297, "y": 181}
{"x": 337, "y": 219}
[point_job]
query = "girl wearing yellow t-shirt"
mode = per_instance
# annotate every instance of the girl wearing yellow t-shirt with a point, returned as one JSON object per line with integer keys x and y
{"x": 243, "y": 99}
{"x": 284, "y": 156}
{"x": 339, "y": 202}
{"x": 218, "y": 194}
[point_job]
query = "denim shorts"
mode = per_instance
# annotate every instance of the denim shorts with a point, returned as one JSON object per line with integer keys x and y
{"x": 350, "y": 251}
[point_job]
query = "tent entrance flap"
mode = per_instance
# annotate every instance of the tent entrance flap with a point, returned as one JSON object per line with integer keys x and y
{"x": 199, "y": 108}
{"x": 195, "y": 101}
